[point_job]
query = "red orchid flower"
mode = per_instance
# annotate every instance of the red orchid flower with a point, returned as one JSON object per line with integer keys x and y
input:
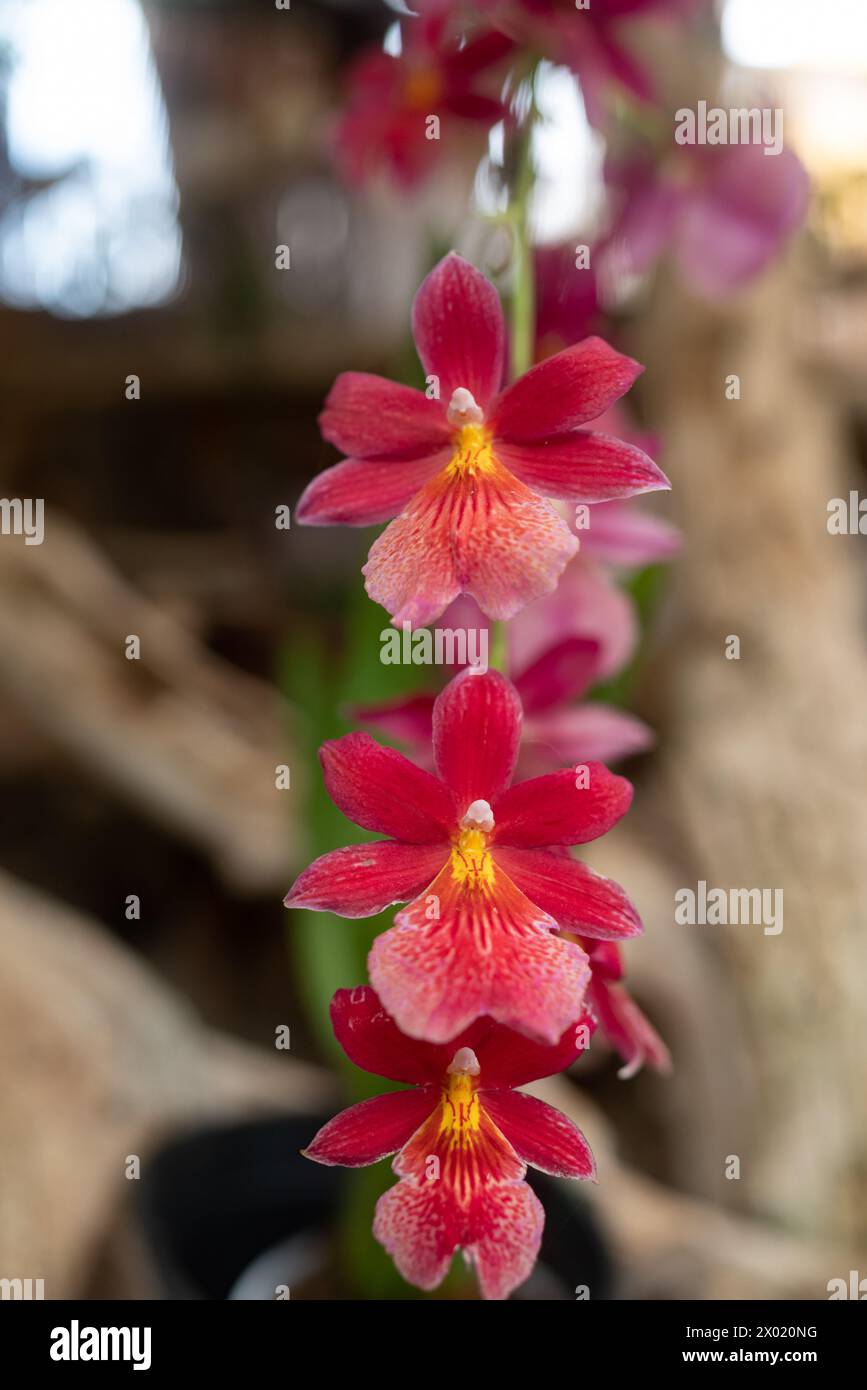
{"x": 481, "y": 864}
{"x": 391, "y": 98}
{"x": 463, "y": 1138}
{"x": 465, "y": 471}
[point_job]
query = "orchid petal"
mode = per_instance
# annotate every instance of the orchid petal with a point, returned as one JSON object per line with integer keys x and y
{"x": 579, "y": 900}
{"x": 541, "y": 1135}
{"x": 476, "y": 733}
{"x": 564, "y": 391}
{"x": 457, "y": 323}
{"x": 373, "y": 1129}
{"x": 561, "y": 808}
{"x": 381, "y": 790}
{"x": 362, "y": 880}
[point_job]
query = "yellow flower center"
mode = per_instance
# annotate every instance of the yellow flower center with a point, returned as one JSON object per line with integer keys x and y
{"x": 473, "y": 455}
{"x": 471, "y": 861}
{"x": 421, "y": 88}
{"x": 460, "y": 1117}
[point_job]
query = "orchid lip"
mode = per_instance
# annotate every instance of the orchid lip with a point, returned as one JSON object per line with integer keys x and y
{"x": 463, "y": 409}
{"x": 478, "y": 816}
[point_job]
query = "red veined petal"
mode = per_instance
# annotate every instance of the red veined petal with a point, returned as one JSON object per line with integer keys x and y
{"x": 487, "y": 535}
{"x": 486, "y": 952}
{"x": 539, "y": 1134}
{"x": 499, "y": 1232}
{"x": 362, "y": 880}
{"x": 583, "y": 467}
{"x": 458, "y": 326}
{"x": 411, "y": 568}
{"x": 553, "y": 810}
{"x": 564, "y": 391}
{"x": 561, "y": 673}
{"x": 363, "y": 492}
{"x": 465, "y": 1160}
{"x": 381, "y": 790}
{"x": 372, "y": 1040}
{"x": 476, "y": 734}
{"x": 369, "y": 416}
{"x": 578, "y": 899}
{"x": 373, "y": 1129}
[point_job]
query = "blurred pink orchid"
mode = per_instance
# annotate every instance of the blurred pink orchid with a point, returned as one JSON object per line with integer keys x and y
{"x": 722, "y": 211}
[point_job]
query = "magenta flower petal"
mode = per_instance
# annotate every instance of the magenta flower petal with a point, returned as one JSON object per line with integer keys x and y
{"x": 458, "y": 326}
{"x": 409, "y": 719}
{"x": 541, "y": 1135}
{"x": 373, "y": 1129}
{"x": 553, "y": 810}
{"x": 592, "y": 732}
{"x": 363, "y": 492}
{"x": 381, "y": 790}
{"x": 647, "y": 219}
{"x": 369, "y": 416}
{"x": 564, "y": 391}
{"x": 476, "y": 733}
{"x": 561, "y": 673}
{"x": 587, "y": 603}
{"x": 583, "y": 467}
{"x": 736, "y": 220}
{"x": 362, "y": 880}
{"x": 578, "y": 899}
{"x": 621, "y": 534}
{"x": 499, "y": 1231}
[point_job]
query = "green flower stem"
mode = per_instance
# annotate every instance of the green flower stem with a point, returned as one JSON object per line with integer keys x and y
{"x": 522, "y": 315}
{"x": 498, "y": 648}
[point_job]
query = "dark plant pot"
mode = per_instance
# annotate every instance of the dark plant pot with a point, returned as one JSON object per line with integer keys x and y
{"x": 235, "y": 1211}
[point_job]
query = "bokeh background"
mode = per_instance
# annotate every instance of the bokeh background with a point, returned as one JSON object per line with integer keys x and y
{"x": 152, "y": 158}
